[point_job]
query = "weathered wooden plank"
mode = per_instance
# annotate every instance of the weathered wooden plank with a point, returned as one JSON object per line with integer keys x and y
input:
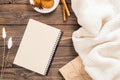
{"x": 23, "y": 74}
{"x": 20, "y": 14}
{"x": 20, "y": 1}
{"x": 17, "y": 32}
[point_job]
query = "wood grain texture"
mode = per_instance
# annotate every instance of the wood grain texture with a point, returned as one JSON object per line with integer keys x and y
{"x": 19, "y": 14}
{"x": 14, "y": 15}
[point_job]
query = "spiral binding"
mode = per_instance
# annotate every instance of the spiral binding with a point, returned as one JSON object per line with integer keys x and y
{"x": 53, "y": 51}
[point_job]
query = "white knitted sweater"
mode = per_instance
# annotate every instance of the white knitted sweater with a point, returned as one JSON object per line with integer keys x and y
{"x": 98, "y": 41}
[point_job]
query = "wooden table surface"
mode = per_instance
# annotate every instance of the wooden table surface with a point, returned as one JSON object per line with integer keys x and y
{"x": 14, "y": 15}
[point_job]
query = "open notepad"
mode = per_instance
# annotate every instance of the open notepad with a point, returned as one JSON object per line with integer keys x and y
{"x": 37, "y": 47}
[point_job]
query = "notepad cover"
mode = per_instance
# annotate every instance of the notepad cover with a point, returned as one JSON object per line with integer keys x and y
{"x": 37, "y": 47}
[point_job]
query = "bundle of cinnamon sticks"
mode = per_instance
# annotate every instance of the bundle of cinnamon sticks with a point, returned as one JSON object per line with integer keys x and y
{"x": 66, "y": 11}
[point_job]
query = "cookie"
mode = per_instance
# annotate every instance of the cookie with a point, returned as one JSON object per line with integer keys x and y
{"x": 47, "y": 3}
{"x": 37, "y": 1}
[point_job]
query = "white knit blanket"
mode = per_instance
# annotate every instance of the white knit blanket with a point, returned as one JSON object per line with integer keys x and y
{"x": 98, "y": 41}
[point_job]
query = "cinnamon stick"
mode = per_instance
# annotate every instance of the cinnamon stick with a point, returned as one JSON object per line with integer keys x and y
{"x": 64, "y": 13}
{"x": 66, "y": 7}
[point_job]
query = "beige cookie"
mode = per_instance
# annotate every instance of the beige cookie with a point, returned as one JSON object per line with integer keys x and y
{"x": 37, "y": 1}
{"x": 47, "y": 3}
